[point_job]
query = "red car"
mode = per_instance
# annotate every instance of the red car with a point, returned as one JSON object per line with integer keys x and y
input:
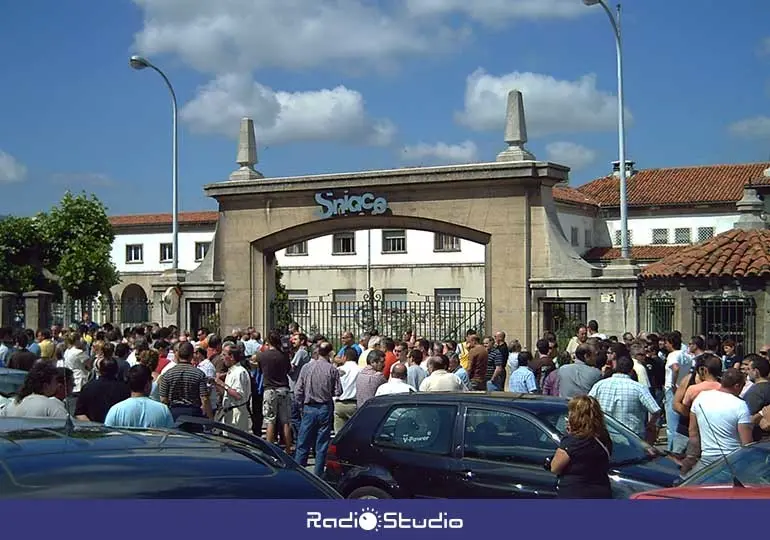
{"x": 706, "y": 492}
{"x": 744, "y": 474}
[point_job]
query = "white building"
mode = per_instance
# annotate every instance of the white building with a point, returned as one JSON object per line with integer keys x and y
{"x": 668, "y": 208}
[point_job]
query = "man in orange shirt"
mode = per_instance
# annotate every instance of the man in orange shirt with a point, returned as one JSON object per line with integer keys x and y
{"x": 390, "y": 356}
{"x": 477, "y": 359}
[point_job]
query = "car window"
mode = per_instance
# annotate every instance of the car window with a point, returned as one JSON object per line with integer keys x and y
{"x": 750, "y": 465}
{"x": 11, "y": 382}
{"x": 425, "y": 428}
{"x": 502, "y": 436}
{"x": 626, "y": 446}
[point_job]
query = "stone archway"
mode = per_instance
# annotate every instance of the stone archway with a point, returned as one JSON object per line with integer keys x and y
{"x": 503, "y": 205}
{"x": 134, "y": 307}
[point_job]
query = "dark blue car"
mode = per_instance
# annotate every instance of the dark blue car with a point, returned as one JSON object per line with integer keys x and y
{"x": 48, "y": 458}
{"x": 473, "y": 445}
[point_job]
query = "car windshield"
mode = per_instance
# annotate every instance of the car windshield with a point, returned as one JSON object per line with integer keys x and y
{"x": 11, "y": 381}
{"x": 750, "y": 465}
{"x": 627, "y": 448}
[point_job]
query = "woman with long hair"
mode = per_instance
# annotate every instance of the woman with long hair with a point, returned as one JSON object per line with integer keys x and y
{"x": 33, "y": 399}
{"x": 582, "y": 460}
{"x": 150, "y": 358}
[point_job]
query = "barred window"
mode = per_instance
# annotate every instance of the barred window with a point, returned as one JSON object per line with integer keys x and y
{"x": 660, "y": 236}
{"x": 344, "y": 243}
{"x": 445, "y": 242}
{"x": 575, "y": 236}
{"x": 300, "y": 248}
{"x": 704, "y": 233}
{"x": 589, "y": 241}
{"x": 683, "y": 236}
{"x": 617, "y": 237}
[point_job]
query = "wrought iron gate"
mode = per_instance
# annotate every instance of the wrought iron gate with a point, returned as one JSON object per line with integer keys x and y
{"x": 660, "y": 314}
{"x": 727, "y": 318}
{"x": 432, "y": 319}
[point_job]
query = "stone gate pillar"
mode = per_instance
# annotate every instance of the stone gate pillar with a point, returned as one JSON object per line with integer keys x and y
{"x": 37, "y": 309}
{"x": 7, "y": 308}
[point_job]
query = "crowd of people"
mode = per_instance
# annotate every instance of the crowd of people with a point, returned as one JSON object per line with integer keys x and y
{"x": 301, "y": 389}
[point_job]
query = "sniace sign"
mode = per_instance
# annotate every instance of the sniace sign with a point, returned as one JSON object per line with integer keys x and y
{"x": 349, "y": 205}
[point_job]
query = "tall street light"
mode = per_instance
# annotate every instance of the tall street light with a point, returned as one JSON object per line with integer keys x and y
{"x": 615, "y": 21}
{"x": 137, "y": 62}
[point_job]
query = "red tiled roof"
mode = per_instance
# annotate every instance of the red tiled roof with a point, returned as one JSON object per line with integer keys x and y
{"x": 679, "y": 185}
{"x": 572, "y": 195}
{"x": 638, "y": 253}
{"x": 736, "y": 253}
{"x": 185, "y": 218}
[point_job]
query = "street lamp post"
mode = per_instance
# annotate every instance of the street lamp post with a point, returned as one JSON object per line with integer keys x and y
{"x": 137, "y": 62}
{"x": 615, "y": 21}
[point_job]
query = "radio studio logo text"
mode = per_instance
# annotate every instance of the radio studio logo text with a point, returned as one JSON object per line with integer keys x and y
{"x": 369, "y": 519}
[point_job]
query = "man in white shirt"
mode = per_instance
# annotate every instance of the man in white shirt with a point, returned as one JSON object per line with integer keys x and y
{"x": 345, "y": 404}
{"x": 396, "y": 383}
{"x": 236, "y": 390}
{"x": 439, "y": 379}
{"x": 720, "y": 421}
{"x": 676, "y": 370}
{"x": 639, "y": 356}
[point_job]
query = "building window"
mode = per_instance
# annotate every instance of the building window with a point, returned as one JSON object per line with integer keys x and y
{"x": 562, "y": 316}
{"x": 344, "y": 244}
{"x": 575, "y": 236}
{"x": 589, "y": 241}
{"x": 394, "y": 241}
{"x": 344, "y": 302}
{"x": 732, "y": 318}
{"x": 134, "y": 253}
{"x": 446, "y": 296}
{"x": 682, "y": 236}
{"x": 298, "y": 302}
{"x": 166, "y": 252}
{"x": 300, "y": 248}
{"x": 704, "y": 233}
{"x": 201, "y": 250}
{"x": 445, "y": 242}
{"x": 660, "y": 236}
{"x": 617, "y": 241}
{"x": 394, "y": 298}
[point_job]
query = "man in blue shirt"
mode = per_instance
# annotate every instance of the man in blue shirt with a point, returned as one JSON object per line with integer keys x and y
{"x": 139, "y": 411}
{"x": 348, "y": 342}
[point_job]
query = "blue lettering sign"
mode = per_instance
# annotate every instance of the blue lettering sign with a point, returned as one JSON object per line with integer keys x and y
{"x": 367, "y": 203}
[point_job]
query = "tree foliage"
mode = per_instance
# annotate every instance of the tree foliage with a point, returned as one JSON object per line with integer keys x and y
{"x": 281, "y": 312}
{"x": 72, "y": 242}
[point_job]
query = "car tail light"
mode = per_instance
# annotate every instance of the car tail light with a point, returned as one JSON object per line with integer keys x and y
{"x": 332, "y": 460}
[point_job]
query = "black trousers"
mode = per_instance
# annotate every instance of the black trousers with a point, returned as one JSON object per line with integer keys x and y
{"x": 257, "y": 418}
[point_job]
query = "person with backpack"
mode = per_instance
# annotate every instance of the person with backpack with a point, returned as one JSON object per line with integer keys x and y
{"x": 543, "y": 365}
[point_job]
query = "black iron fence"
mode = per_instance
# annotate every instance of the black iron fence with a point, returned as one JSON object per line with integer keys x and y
{"x": 204, "y": 315}
{"x": 660, "y": 314}
{"x": 727, "y": 318}
{"x": 431, "y": 319}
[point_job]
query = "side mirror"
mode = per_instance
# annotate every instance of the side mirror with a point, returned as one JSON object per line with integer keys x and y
{"x": 547, "y": 464}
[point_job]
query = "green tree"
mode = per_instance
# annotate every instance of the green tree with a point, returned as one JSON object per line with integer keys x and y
{"x": 78, "y": 235}
{"x": 281, "y": 312}
{"x": 67, "y": 248}
{"x": 22, "y": 259}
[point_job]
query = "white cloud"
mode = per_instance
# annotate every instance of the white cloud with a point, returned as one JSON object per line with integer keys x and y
{"x": 229, "y": 35}
{"x": 571, "y": 154}
{"x": 11, "y": 170}
{"x": 551, "y": 105}
{"x": 440, "y": 153}
{"x": 751, "y": 128}
{"x": 497, "y": 11}
{"x": 336, "y": 114}
{"x": 219, "y": 36}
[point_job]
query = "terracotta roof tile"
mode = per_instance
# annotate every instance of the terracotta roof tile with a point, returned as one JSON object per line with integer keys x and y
{"x": 639, "y": 253}
{"x": 572, "y": 195}
{"x": 736, "y": 253}
{"x": 679, "y": 185}
{"x": 185, "y": 218}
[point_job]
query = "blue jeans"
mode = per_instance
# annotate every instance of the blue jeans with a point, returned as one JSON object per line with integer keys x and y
{"x": 296, "y": 418}
{"x": 492, "y": 387}
{"x": 674, "y": 441}
{"x": 316, "y": 424}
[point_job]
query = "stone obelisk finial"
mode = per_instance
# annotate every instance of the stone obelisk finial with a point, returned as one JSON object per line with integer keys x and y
{"x": 515, "y": 130}
{"x": 247, "y": 153}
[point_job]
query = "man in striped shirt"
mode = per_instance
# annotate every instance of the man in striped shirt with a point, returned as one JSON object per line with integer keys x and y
{"x": 317, "y": 386}
{"x": 184, "y": 388}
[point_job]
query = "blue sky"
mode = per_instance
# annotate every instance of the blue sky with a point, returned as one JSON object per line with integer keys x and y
{"x": 363, "y": 84}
